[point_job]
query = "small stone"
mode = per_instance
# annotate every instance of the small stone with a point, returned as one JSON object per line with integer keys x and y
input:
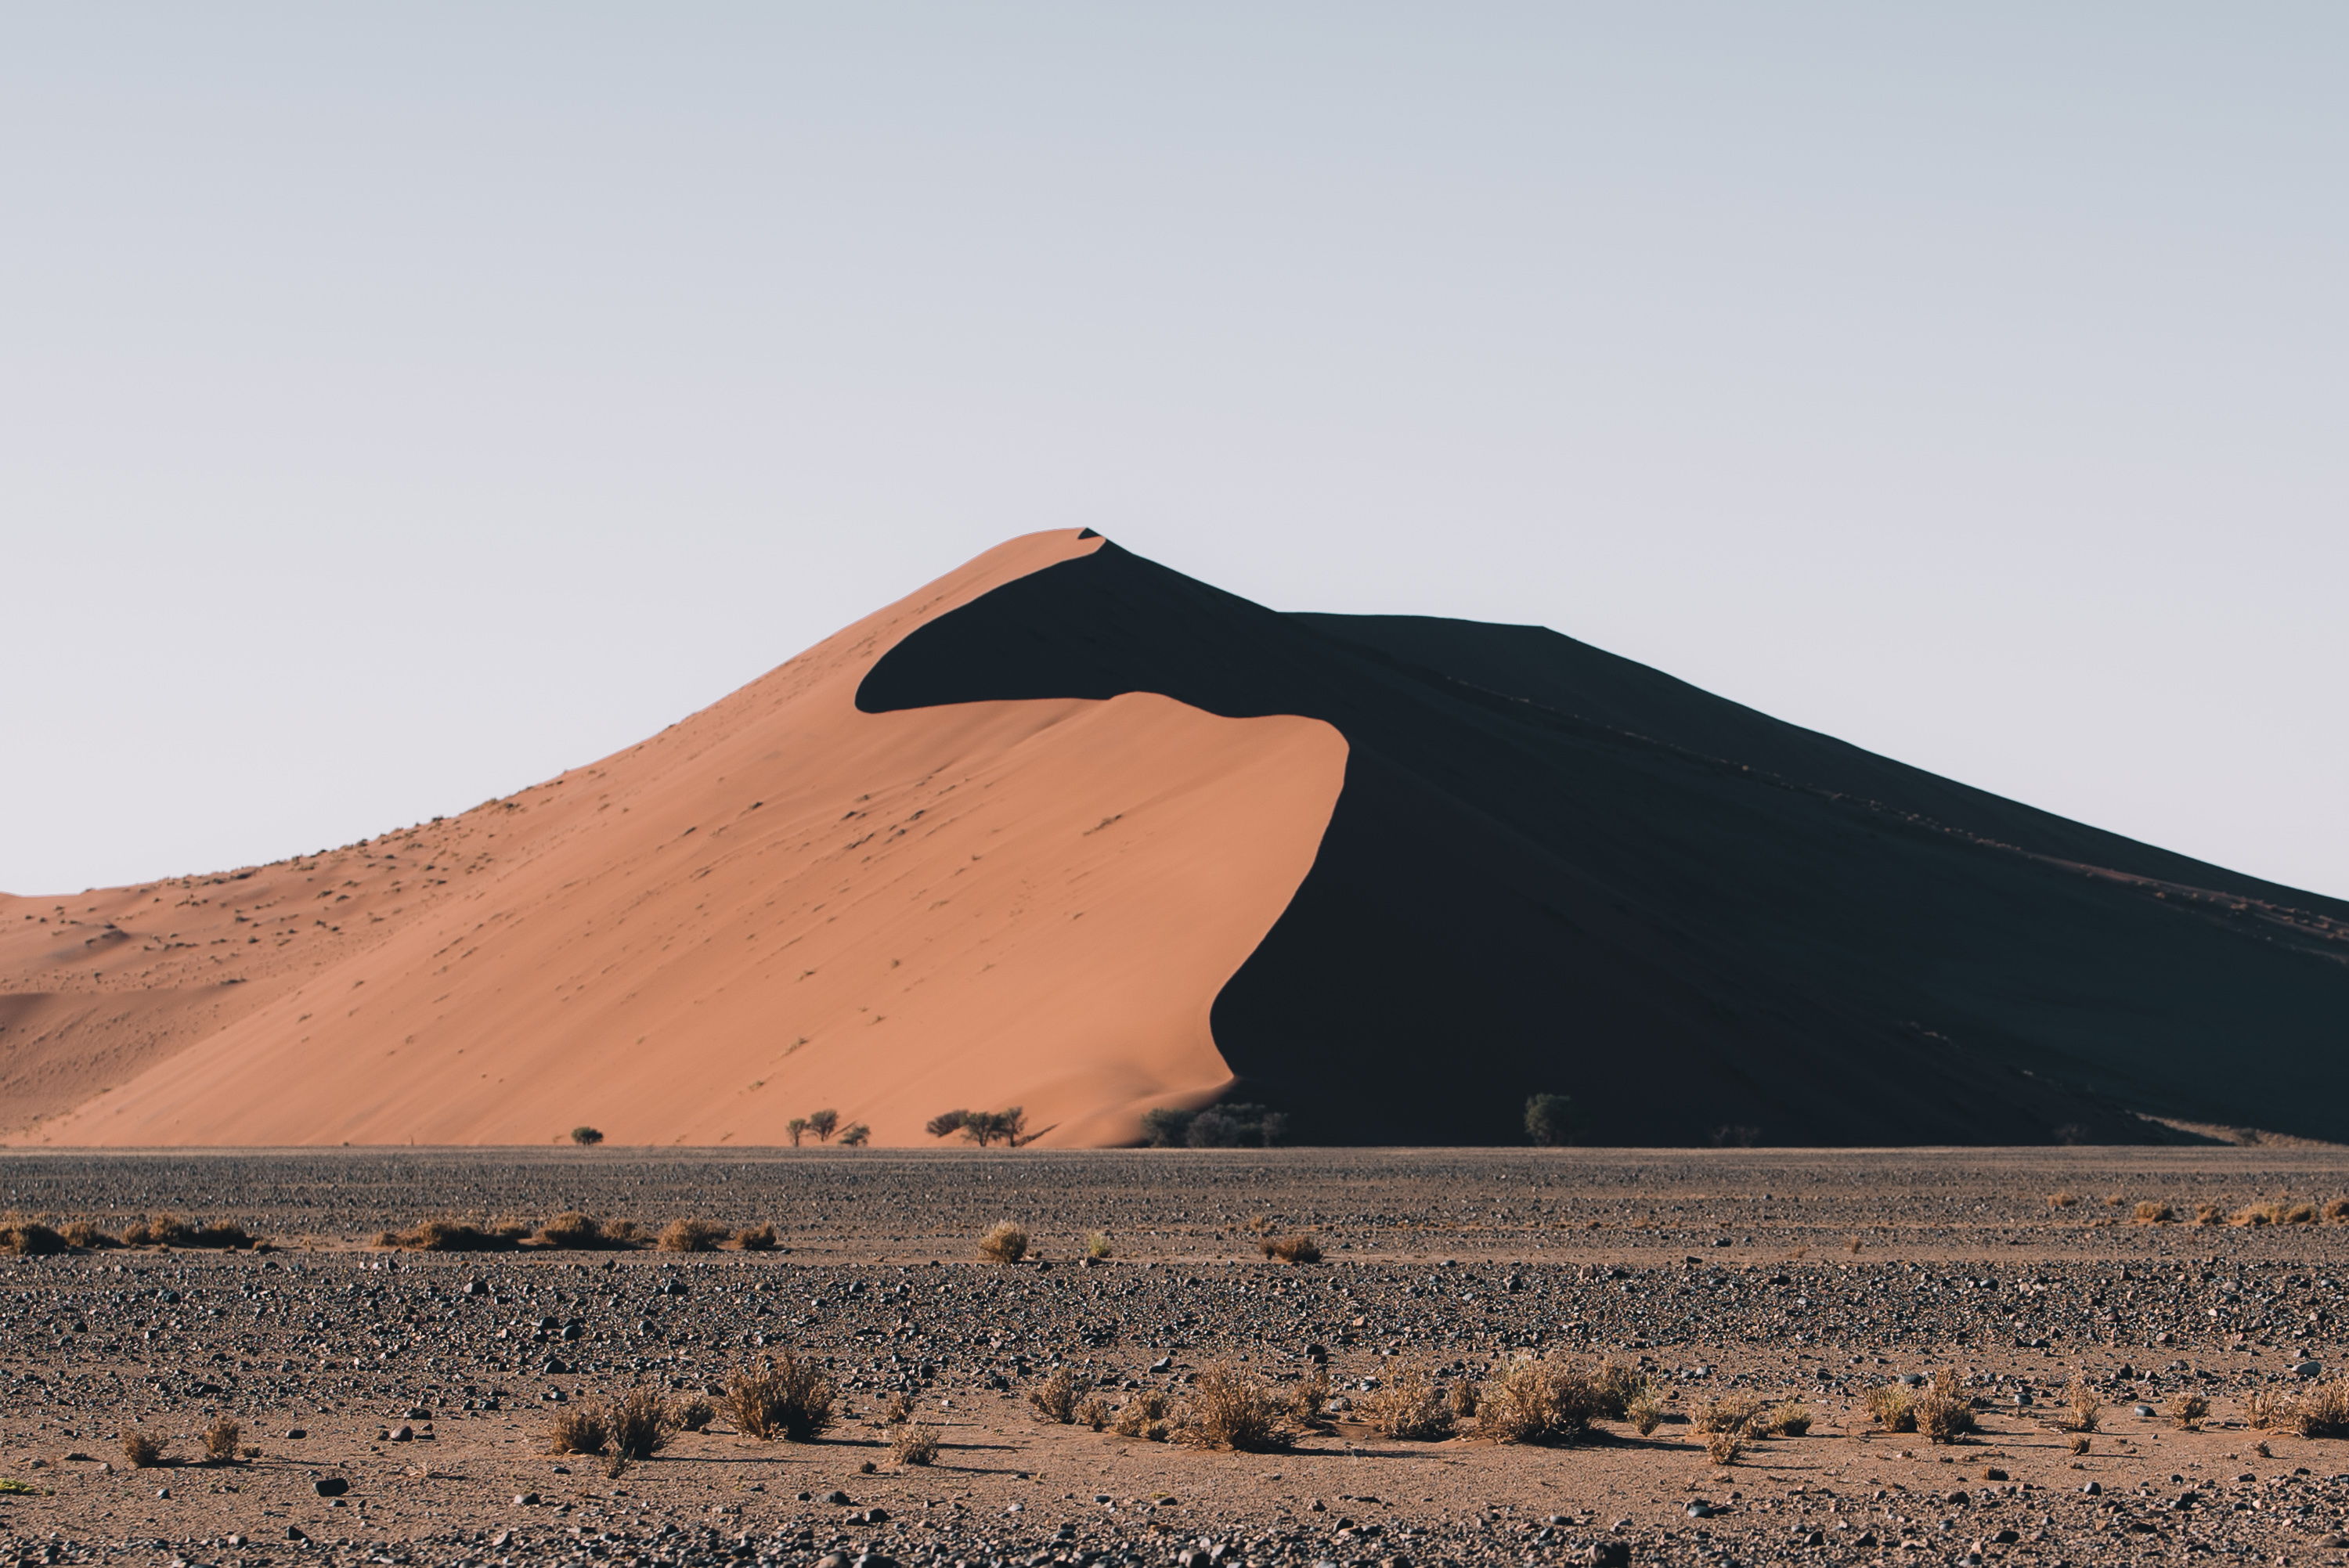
{"x": 1993, "y": 1473}
{"x": 526, "y": 1499}
{"x": 163, "y": 1491}
{"x": 2141, "y": 1410}
{"x": 2093, "y": 1488}
{"x": 837, "y": 1499}
{"x": 502, "y": 1540}
{"x": 833, "y": 1559}
{"x": 1699, "y": 1510}
{"x": 330, "y": 1486}
{"x": 2007, "y": 1537}
{"x": 294, "y": 1532}
{"x": 296, "y": 1434}
{"x": 403, "y": 1433}
{"x": 1607, "y": 1554}
{"x": 2309, "y": 1369}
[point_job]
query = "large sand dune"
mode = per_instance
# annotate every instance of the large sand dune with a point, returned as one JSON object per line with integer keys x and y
{"x": 1069, "y": 830}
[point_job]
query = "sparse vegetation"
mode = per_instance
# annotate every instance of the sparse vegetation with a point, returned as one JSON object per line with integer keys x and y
{"x": 2187, "y": 1411}
{"x": 692, "y": 1236}
{"x": 1095, "y": 1413}
{"x": 1218, "y": 1126}
{"x": 985, "y": 1126}
{"x": 1551, "y": 1120}
{"x": 1539, "y": 1400}
{"x": 1945, "y": 1412}
{"x": 758, "y": 1239}
{"x": 2062, "y": 1200}
{"x": 88, "y": 1237}
{"x": 1227, "y": 1411}
{"x": 454, "y": 1237}
{"x": 1299, "y": 1249}
{"x": 856, "y": 1135}
{"x": 914, "y": 1444}
{"x": 782, "y": 1397}
{"x": 1098, "y": 1246}
{"x": 1058, "y": 1398}
{"x": 693, "y": 1413}
{"x": 221, "y": 1440}
{"x": 2209, "y": 1215}
{"x": 797, "y": 1127}
{"x": 1891, "y": 1407}
{"x": 2082, "y": 1442}
{"x": 1734, "y": 1414}
{"x": 1309, "y": 1403}
{"x": 2337, "y": 1210}
{"x": 585, "y": 1137}
{"x": 1148, "y": 1415}
{"x": 642, "y": 1422}
{"x": 576, "y": 1231}
{"x": 170, "y": 1231}
{"x": 142, "y": 1451}
{"x": 580, "y": 1428}
{"x": 1645, "y": 1412}
{"x": 2082, "y": 1408}
{"x": 2323, "y": 1411}
{"x": 29, "y": 1238}
{"x": 1410, "y": 1405}
{"x": 823, "y": 1124}
{"x": 1724, "y": 1448}
{"x": 2278, "y": 1214}
{"x": 2152, "y": 1214}
{"x": 1004, "y": 1242}
{"x": 1790, "y": 1420}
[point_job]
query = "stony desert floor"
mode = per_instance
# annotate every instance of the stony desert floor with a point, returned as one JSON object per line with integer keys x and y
{"x": 427, "y": 1383}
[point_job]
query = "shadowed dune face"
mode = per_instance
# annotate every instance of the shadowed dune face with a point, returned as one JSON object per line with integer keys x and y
{"x": 778, "y": 905}
{"x": 1555, "y": 870}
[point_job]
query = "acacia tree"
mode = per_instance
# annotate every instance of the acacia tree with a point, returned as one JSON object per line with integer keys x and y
{"x": 797, "y": 1127}
{"x": 822, "y": 1122}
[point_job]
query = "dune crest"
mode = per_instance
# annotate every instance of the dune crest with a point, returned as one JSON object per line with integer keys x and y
{"x": 778, "y": 905}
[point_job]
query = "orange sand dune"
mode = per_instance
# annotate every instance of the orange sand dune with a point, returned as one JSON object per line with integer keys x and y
{"x": 777, "y": 905}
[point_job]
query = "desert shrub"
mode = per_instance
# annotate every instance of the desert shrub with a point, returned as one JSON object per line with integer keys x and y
{"x": 2082, "y": 1442}
{"x": 2265, "y": 1409}
{"x": 1945, "y": 1412}
{"x": 1724, "y": 1448}
{"x": 983, "y": 1127}
{"x": 898, "y": 1409}
{"x": 2323, "y": 1411}
{"x": 944, "y": 1122}
{"x": 170, "y": 1231}
{"x": 1616, "y": 1384}
{"x": 1004, "y": 1242}
{"x": 914, "y": 1444}
{"x": 1166, "y": 1128}
{"x": 143, "y": 1451}
{"x": 2082, "y": 1408}
{"x": 1094, "y": 1412}
{"x": 2207, "y": 1214}
{"x": 1058, "y": 1398}
{"x": 2337, "y": 1210}
{"x": 856, "y": 1135}
{"x": 1149, "y": 1415}
{"x": 1735, "y": 1415}
{"x": 2152, "y": 1214}
{"x": 693, "y": 1413}
{"x": 1308, "y": 1404}
{"x": 692, "y": 1236}
{"x": 642, "y": 1424}
{"x": 2062, "y": 1200}
{"x": 1791, "y": 1419}
{"x": 2281, "y": 1213}
{"x": 782, "y": 1397}
{"x": 580, "y": 1428}
{"x": 1891, "y": 1407}
{"x": 1236, "y": 1126}
{"x": 1299, "y": 1249}
{"x": 1550, "y": 1119}
{"x": 1227, "y": 1411}
{"x": 758, "y": 1239}
{"x": 2187, "y": 1411}
{"x": 797, "y": 1127}
{"x": 1646, "y": 1412}
{"x": 1461, "y": 1399}
{"x": 221, "y": 1440}
{"x": 1098, "y": 1246}
{"x": 576, "y": 1231}
{"x": 1410, "y": 1405}
{"x": 29, "y": 1238}
{"x": 88, "y": 1237}
{"x": 453, "y": 1236}
{"x": 823, "y": 1124}
{"x": 585, "y": 1137}
{"x": 1539, "y": 1400}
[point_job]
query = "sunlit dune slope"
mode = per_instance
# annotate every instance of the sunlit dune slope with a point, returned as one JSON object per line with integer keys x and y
{"x": 778, "y": 905}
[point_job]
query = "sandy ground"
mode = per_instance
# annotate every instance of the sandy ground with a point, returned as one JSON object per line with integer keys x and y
{"x": 1722, "y": 1273}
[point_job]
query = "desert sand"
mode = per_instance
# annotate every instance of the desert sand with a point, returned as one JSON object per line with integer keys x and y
{"x": 777, "y": 905}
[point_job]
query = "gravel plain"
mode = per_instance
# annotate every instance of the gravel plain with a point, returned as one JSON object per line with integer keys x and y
{"x": 426, "y": 1383}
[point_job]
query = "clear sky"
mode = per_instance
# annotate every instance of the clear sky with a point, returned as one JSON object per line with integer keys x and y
{"x": 400, "y": 404}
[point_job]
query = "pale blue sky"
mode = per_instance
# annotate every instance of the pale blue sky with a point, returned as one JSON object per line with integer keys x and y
{"x": 398, "y": 405}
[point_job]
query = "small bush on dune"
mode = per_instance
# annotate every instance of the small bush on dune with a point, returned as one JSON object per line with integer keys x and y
{"x": 1293, "y": 1249}
{"x": 1058, "y": 1399}
{"x": 758, "y": 1239}
{"x": 1004, "y": 1242}
{"x": 782, "y": 1398}
{"x": 692, "y": 1236}
{"x": 1411, "y": 1407}
{"x": 585, "y": 1137}
{"x": 221, "y": 1440}
{"x": 1227, "y": 1411}
{"x": 143, "y": 1451}
{"x": 914, "y": 1444}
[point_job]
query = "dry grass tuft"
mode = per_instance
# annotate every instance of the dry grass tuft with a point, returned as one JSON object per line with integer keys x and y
{"x": 575, "y": 1232}
{"x": 2209, "y": 1215}
{"x": 1299, "y": 1249}
{"x": 2265, "y": 1410}
{"x": 692, "y": 1236}
{"x": 221, "y": 1441}
{"x": 642, "y": 1424}
{"x": 758, "y": 1239}
{"x": 898, "y": 1411}
{"x": 1411, "y": 1407}
{"x": 2323, "y": 1411}
{"x": 693, "y": 1413}
{"x": 1735, "y": 1416}
{"x": 143, "y": 1451}
{"x": 1004, "y": 1242}
{"x": 2280, "y": 1213}
{"x": 29, "y": 1238}
{"x": 1540, "y": 1399}
{"x": 2337, "y": 1210}
{"x": 2187, "y": 1411}
{"x": 2082, "y": 1408}
{"x": 2080, "y": 1442}
{"x": 2062, "y": 1200}
{"x": 170, "y": 1231}
{"x": 1149, "y": 1416}
{"x": 1790, "y": 1420}
{"x": 1645, "y": 1413}
{"x": 1227, "y": 1411}
{"x": 88, "y": 1237}
{"x": 782, "y": 1397}
{"x": 1095, "y": 1413}
{"x": 2152, "y": 1214}
{"x": 1724, "y": 1448}
{"x": 914, "y": 1444}
{"x": 1310, "y": 1403}
{"x": 454, "y": 1237}
{"x": 1945, "y": 1412}
{"x": 1060, "y": 1394}
{"x": 1891, "y": 1407}
{"x": 1098, "y": 1246}
{"x": 581, "y": 1429}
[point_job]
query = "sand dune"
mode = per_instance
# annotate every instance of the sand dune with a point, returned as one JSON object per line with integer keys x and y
{"x": 778, "y": 905}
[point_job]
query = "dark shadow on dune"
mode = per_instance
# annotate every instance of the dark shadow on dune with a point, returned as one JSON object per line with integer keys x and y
{"x": 1554, "y": 870}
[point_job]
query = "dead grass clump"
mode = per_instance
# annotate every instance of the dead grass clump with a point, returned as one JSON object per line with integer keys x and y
{"x": 1149, "y": 1415}
{"x": 692, "y": 1236}
{"x": 2209, "y": 1215}
{"x": 758, "y": 1239}
{"x": 642, "y": 1424}
{"x": 2082, "y": 1442}
{"x": 914, "y": 1444}
{"x": 454, "y": 1237}
{"x": 221, "y": 1440}
{"x": 2280, "y": 1213}
{"x": 1462, "y": 1400}
{"x": 1539, "y": 1400}
{"x": 2062, "y": 1200}
{"x": 2082, "y": 1408}
{"x": 1891, "y": 1407}
{"x": 88, "y": 1237}
{"x": 1790, "y": 1420}
{"x": 2114, "y": 1200}
{"x": 2323, "y": 1411}
{"x": 575, "y": 1232}
{"x": 693, "y": 1413}
{"x": 2265, "y": 1410}
{"x": 898, "y": 1411}
{"x": 2337, "y": 1210}
{"x": 581, "y": 1429}
{"x": 782, "y": 1397}
{"x": 1724, "y": 1448}
{"x": 1004, "y": 1242}
{"x": 29, "y": 1238}
{"x": 2187, "y": 1412}
{"x": 1945, "y": 1412}
{"x": 1646, "y": 1412}
{"x": 1098, "y": 1246}
{"x": 143, "y": 1451}
{"x": 1411, "y": 1407}
{"x": 1311, "y": 1399}
{"x": 1095, "y": 1413}
{"x": 170, "y": 1231}
{"x": 1227, "y": 1411}
{"x": 1735, "y": 1416}
{"x": 2152, "y": 1214}
{"x": 1300, "y": 1249}
{"x": 1060, "y": 1394}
